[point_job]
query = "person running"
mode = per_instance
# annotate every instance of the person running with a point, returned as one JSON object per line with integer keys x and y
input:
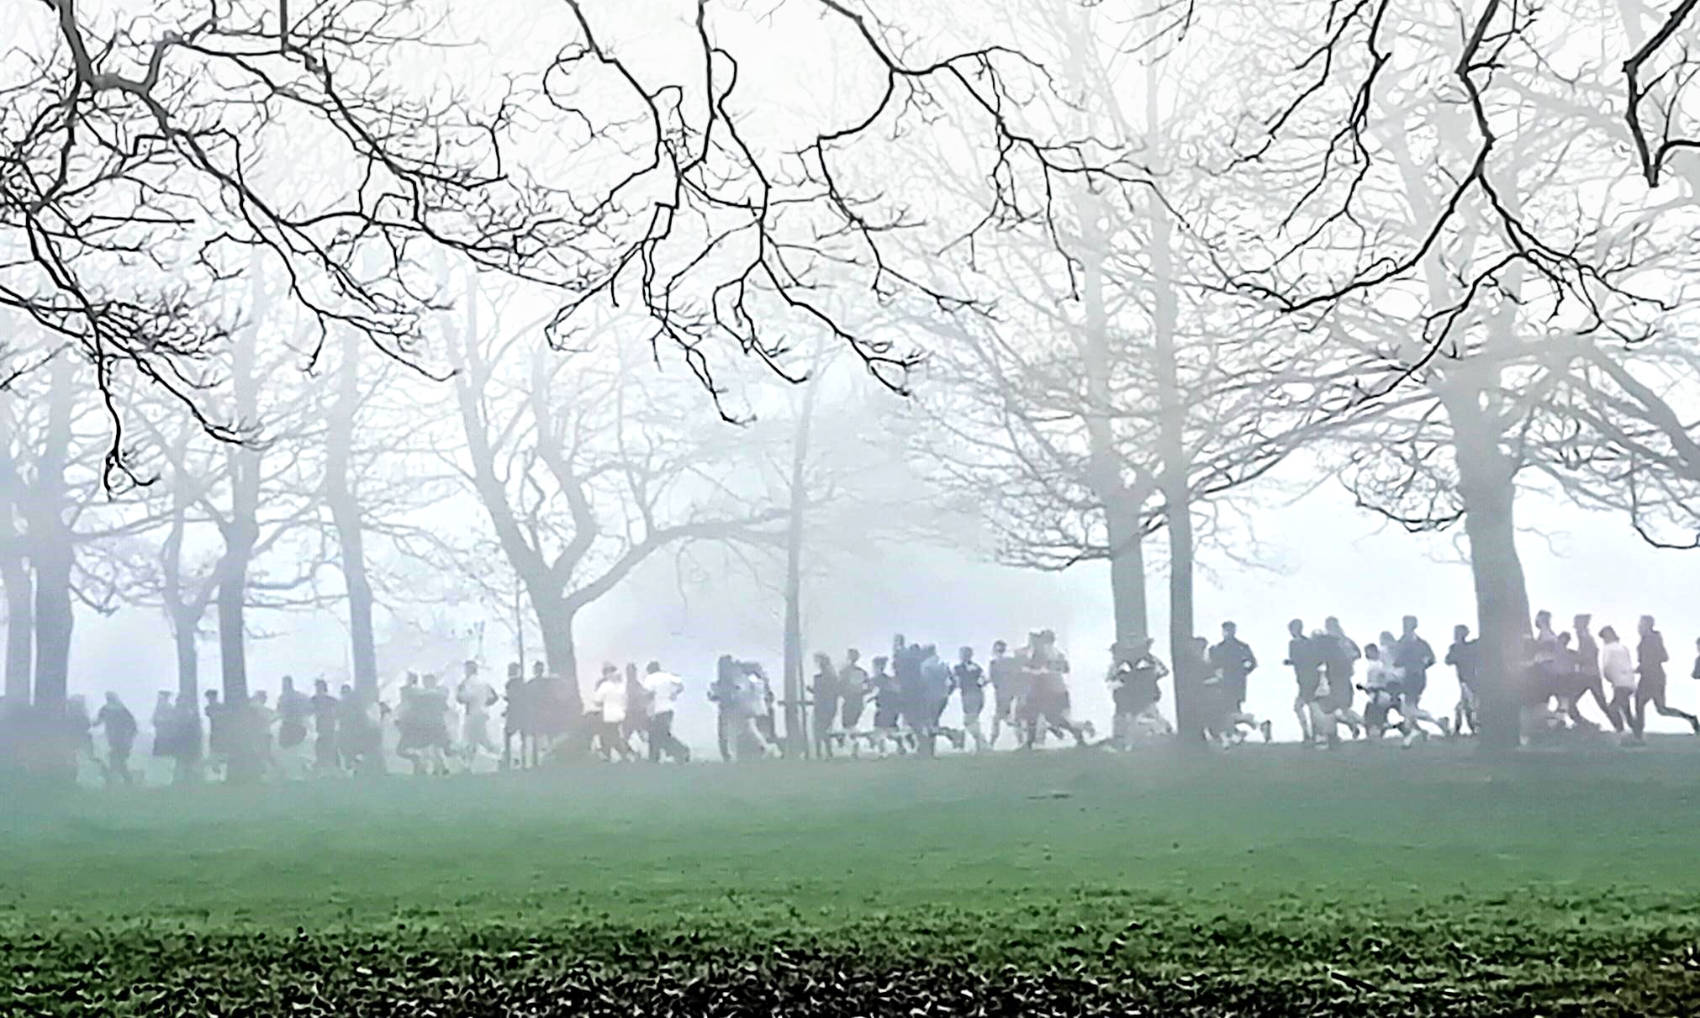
{"x": 1304, "y": 657}
{"x": 970, "y": 680}
{"x": 164, "y": 721}
{"x": 1412, "y": 658}
{"x": 1464, "y": 658}
{"x": 1617, "y": 664}
{"x": 1047, "y": 700}
{"x": 637, "y": 706}
{"x": 1008, "y": 681}
{"x": 218, "y": 738}
{"x": 326, "y": 754}
{"x": 359, "y": 732}
{"x": 1339, "y": 663}
{"x": 120, "y": 727}
{"x": 1233, "y": 662}
{"x": 906, "y": 661}
{"x": 825, "y": 694}
{"x": 608, "y": 711}
{"x": 293, "y": 710}
{"x": 888, "y": 707}
{"x": 186, "y": 742}
{"x": 1588, "y": 680}
{"x": 852, "y": 695}
{"x": 936, "y": 684}
{"x": 1382, "y": 687}
{"x": 1135, "y": 672}
{"x": 475, "y": 698}
{"x": 261, "y": 719}
{"x": 663, "y": 689}
{"x": 725, "y": 693}
{"x": 1651, "y": 658}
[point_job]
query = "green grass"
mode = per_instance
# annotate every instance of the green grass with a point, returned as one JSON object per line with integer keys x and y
{"x": 1271, "y": 880}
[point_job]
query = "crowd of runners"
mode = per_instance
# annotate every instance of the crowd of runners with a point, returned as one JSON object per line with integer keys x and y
{"x": 897, "y": 703}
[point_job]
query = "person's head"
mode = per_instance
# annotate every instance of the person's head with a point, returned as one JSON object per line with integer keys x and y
{"x": 631, "y": 669}
{"x": 430, "y": 680}
{"x": 469, "y": 669}
{"x": 321, "y": 686}
{"x": 1582, "y": 622}
{"x": 1372, "y": 653}
{"x": 1297, "y": 628}
{"x": 212, "y": 696}
{"x": 823, "y": 662}
{"x": 1046, "y": 638}
{"x": 1608, "y": 634}
{"x": 1332, "y": 625}
{"x": 966, "y": 654}
{"x": 1144, "y": 646}
{"x": 412, "y": 679}
{"x": 260, "y": 697}
{"x": 897, "y": 643}
{"x": 1387, "y": 638}
{"x": 999, "y": 648}
{"x": 880, "y": 663}
{"x": 931, "y": 650}
{"x": 1409, "y": 623}
{"x": 610, "y": 672}
{"x": 652, "y": 668}
{"x": 1228, "y": 630}
{"x": 515, "y": 670}
{"x": 852, "y": 656}
{"x": 1199, "y": 644}
{"x": 1460, "y": 633}
{"x": 1564, "y": 639}
{"x": 1646, "y": 624}
{"x": 112, "y": 699}
{"x": 347, "y": 691}
{"x": 537, "y": 669}
{"x": 289, "y": 683}
{"x": 165, "y": 696}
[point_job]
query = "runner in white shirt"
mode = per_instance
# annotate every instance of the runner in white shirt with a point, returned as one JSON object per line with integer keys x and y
{"x": 1617, "y": 664}
{"x": 664, "y": 689}
{"x": 476, "y": 697}
{"x": 608, "y": 704}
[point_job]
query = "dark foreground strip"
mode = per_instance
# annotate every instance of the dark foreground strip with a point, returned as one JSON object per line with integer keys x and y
{"x": 351, "y": 976}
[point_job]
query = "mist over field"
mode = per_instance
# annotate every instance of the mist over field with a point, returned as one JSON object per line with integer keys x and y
{"x": 1045, "y": 507}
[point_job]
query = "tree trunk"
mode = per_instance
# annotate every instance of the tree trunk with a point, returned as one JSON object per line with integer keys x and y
{"x": 797, "y": 741}
{"x": 20, "y": 627}
{"x": 1124, "y": 530}
{"x": 50, "y": 547}
{"x": 1127, "y": 573}
{"x": 347, "y": 518}
{"x": 1176, "y": 466}
{"x": 555, "y": 622}
{"x": 184, "y": 634}
{"x": 232, "y": 622}
{"x": 1502, "y": 598}
{"x": 53, "y": 622}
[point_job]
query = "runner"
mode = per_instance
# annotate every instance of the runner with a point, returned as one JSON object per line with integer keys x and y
{"x": 664, "y": 689}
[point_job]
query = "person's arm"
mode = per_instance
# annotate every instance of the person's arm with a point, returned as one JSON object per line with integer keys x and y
{"x": 1162, "y": 669}
{"x": 1250, "y": 660}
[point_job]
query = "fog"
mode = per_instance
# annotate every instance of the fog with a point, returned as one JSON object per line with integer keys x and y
{"x": 661, "y": 332}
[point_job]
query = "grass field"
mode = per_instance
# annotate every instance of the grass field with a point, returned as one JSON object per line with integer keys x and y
{"x": 1270, "y": 881}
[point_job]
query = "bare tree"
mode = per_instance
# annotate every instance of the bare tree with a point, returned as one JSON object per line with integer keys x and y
{"x": 585, "y": 470}
{"x": 1118, "y": 390}
{"x": 151, "y": 161}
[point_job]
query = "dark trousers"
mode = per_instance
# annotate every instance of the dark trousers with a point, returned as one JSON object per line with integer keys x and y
{"x": 661, "y": 739}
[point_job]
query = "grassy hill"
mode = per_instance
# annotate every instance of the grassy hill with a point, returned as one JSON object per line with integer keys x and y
{"x": 1271, "y": 880}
